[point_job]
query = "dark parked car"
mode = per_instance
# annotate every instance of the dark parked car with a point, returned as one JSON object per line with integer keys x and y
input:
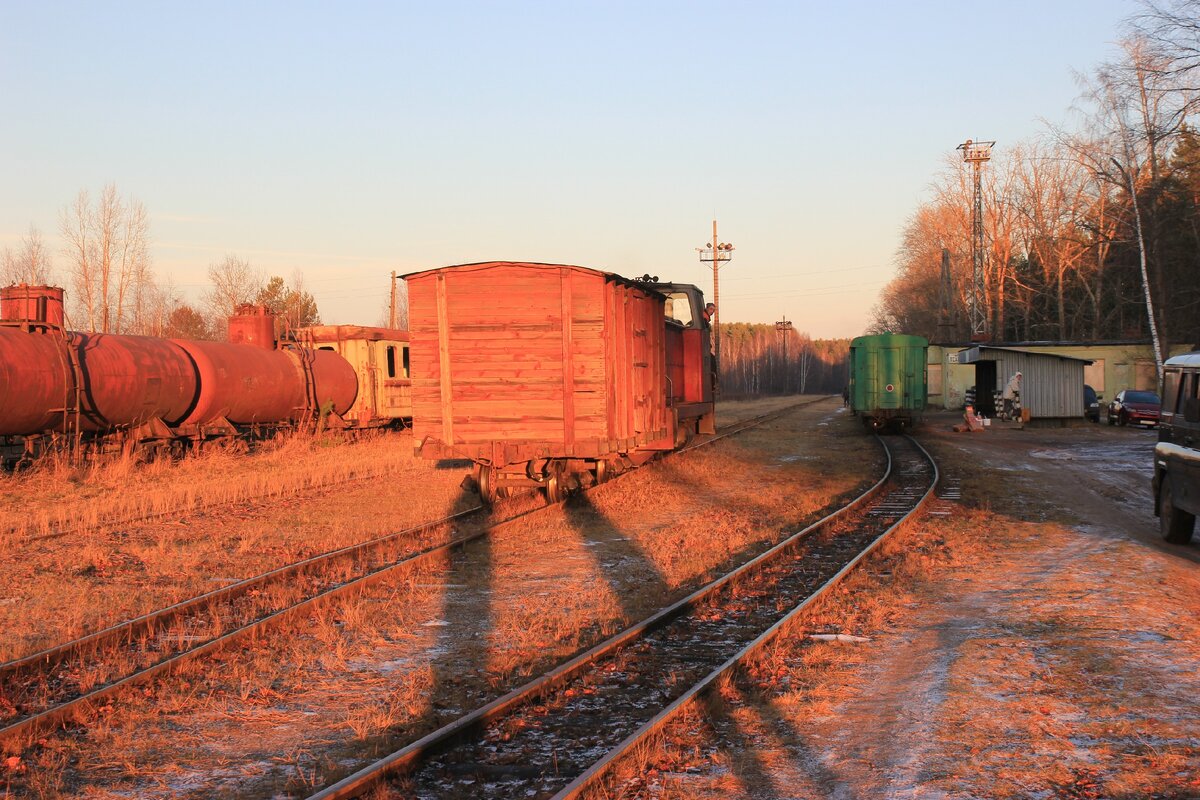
{"x": 1177, "y": 454}
{"x": 1091, "y": 404}
{"x": 1133, "y": 406}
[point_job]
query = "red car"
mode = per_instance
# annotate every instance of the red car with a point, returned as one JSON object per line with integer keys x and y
{"x": 1133, "y": 406}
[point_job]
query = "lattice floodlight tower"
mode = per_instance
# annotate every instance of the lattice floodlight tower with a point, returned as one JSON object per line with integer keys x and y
{"x": 975, "y": 154}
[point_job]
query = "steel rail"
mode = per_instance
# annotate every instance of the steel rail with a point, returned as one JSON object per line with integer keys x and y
{"x": 445, "y": 737}
{"x": 57, "y": 714}
{"x": 126, "y": 633}
{"x": 593, "y": 777}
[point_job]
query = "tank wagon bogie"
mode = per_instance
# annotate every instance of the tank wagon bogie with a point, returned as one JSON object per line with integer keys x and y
{"x": 69, "y": 388}
{"x": 552, "y": 376}
{"x": 887, "y": 380}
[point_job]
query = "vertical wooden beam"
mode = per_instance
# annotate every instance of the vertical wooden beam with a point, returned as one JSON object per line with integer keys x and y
{"x": 444, "y": 362}
{"x": 568, "y": 361}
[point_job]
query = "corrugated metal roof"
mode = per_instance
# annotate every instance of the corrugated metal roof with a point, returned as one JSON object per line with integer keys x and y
{"x": 973, "y": 354}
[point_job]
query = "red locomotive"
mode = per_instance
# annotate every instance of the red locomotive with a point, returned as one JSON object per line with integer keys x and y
{"x": 554, "y": 376}
{"x": 61, "y": 386}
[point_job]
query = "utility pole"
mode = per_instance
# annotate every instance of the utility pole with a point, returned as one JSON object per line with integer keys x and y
{"x": 977, "y": 154}
{"x": 392, "y": 308}
{"x": 784, "y": 326}
{"x": 716, "y": 253}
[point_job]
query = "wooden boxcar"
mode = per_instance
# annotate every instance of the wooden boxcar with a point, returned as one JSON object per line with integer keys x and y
{"x": 549, "y": 375}
{"x": 888, "y": 377}
{"x": 381, "y": 361}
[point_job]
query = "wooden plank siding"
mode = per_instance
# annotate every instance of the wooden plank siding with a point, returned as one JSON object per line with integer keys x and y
{"x": 511, "y": 359}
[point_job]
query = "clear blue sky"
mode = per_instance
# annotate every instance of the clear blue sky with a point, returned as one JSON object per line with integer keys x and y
{"x": 350, "y": 139}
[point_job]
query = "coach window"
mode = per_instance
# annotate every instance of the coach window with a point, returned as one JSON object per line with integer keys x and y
{"x": 391, "y": 359}
{"x": 679, "y": 307}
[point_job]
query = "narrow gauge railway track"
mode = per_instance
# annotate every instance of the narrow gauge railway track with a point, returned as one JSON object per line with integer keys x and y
{"x": 52, "y": 687}
{"x": 559, "y": 734}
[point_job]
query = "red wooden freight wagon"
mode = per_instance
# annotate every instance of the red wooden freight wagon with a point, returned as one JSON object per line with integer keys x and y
{"x": 546, "y": 375}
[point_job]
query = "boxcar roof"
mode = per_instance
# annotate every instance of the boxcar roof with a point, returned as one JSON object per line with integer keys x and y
{"x": 485, "y": 265}
{"x": 981, "y": 352}
{"x": 333, "y": 333}
{"x": 903, "y": 338}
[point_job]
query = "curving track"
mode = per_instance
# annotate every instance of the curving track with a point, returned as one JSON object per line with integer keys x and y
{"x": 558, "y": 735}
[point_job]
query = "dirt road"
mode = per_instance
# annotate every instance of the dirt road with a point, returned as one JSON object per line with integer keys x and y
{"x": 1034, "y": 638}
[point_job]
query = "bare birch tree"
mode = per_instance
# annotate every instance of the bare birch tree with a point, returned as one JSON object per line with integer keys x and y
{"x": 29, "y": 264}
{"x": 108, "y": 248}
{"x": 234, "y": 282}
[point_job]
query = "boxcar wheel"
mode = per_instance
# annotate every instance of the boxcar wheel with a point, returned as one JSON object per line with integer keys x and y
{"x": 555, "y": 493}
{"x": 486, "y": 481}
{"x": 1175, "y": 525}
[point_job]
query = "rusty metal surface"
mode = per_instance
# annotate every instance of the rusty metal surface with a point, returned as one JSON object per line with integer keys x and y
{"x": 128, "y": 380}
{"x": 32, "y": 303}
{"x": 32, "y": 381}
{"x": 244, "y": 384}
{"x": 334, "y": 380}
{"x": 253, "y": 325}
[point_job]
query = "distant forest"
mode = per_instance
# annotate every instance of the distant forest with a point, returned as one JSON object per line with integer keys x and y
{"x": 1091, "y": 233}
{"x": 759, "y": 360}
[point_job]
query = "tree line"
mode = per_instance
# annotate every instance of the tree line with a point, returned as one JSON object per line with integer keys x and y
{"x": 113, "y": 287}
{"x": 1091, "y": 232}
{"x": 758, "y": 359}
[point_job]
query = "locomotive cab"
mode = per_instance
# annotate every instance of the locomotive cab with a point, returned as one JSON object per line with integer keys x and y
{"x": 691, "y": 367}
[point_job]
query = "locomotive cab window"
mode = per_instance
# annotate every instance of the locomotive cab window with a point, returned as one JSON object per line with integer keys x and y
{"x": 404, "y": 350}
{"x": 679, "y": 308}
{"x": 391, "y": 361}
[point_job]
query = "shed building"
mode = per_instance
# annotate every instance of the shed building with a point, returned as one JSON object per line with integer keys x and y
{"x": 1051, "y": 385}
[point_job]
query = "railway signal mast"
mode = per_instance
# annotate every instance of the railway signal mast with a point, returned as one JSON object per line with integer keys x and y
{"x": 716, "y": 253}
{"x": 976, "y": 154}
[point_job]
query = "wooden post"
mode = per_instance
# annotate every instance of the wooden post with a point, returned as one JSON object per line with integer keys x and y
{"x": 392, "y": 311}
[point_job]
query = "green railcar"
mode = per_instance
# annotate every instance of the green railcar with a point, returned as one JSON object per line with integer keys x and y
{"x": 888, "y": 376}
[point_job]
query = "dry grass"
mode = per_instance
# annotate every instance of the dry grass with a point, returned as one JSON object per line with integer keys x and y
{"x": 57, "y": 495}
{"x": 444, "y": 641}
{"x": 57, "y": 589}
